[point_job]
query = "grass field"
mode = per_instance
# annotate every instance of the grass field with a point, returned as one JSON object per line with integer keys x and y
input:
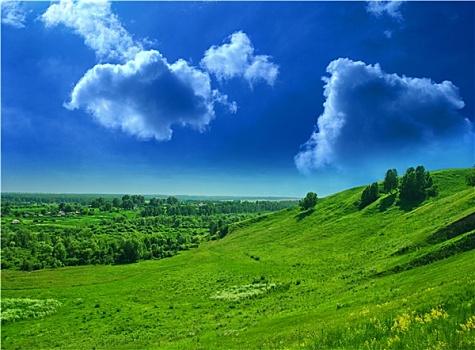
{"x": 384, "y": 277}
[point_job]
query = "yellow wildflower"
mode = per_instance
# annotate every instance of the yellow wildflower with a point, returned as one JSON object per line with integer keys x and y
{"x": 436, "y": 314}
{"x": 469, "y": 325}
{"x": 401, "y": 323}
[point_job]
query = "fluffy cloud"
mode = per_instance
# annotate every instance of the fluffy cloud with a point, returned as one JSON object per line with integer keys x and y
{"x": 146, "y": 96}
{"x": 95, "y": 22}
{"x": 369, "y": 113}
{"x": 13, "y": 14}
{"x": 381, "y": 7}
{"x": 142, "y": 95}
{"x": 237, "y": 59}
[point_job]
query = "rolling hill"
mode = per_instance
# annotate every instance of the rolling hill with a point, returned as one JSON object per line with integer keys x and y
{"x": 335, "y": 277}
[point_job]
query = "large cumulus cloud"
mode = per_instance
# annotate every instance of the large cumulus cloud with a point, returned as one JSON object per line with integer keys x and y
{"x": 147, "y": 95}
{"x": 369, "y": 113}
{"x": 139, "y": 93}
{"x": 237, "y": 59}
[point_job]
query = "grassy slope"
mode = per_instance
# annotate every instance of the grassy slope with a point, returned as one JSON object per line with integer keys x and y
{"x": 327, "y": 265}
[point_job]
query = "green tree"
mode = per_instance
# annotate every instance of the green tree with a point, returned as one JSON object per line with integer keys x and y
{"x": 407, "y": 188}
{"x": 421, "y": 183}
{"x": 116, "y": 203}
{"x": 172, "y": 200}
{"x": 127, "y": 204}
{"x": 97, "y": 203}
{"x": 309, "y": 201}
{"x": 138, "y": 200}
{"x": 213, "y": 228}
{"x": 129, "y": 250}
{"x": 416, "y": 185}
{"x": 471, "y": 177}
{"x": 369, "y": 195}
{"x": 391, "y": 180}
{"x": 107, "y": 206}
{"x": 59, "y": 251}
{"x": 154, "y": 202}
{"x": 6, "y": 210}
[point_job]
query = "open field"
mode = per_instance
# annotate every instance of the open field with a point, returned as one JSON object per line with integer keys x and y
{"x": 336, "y": 277}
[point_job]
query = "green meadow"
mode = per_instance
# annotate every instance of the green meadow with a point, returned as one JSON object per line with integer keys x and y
{"x": 388, "y": 276}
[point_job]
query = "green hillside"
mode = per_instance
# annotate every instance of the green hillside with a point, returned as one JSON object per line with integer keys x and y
{"x": 336, "y": 277}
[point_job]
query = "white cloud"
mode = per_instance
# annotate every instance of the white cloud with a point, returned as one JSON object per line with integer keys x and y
{"x": 369, "y": 114}
{"x": 13, "y": 14}
{"x": 381, "y": 7}
{"x": 146, "y": 96}
{"x": 142, "y": 95}
{"x": 95, "y": 22}
{"x": 237, "y": 59}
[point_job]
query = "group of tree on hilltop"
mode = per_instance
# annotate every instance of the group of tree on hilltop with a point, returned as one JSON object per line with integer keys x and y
{"x": 414, "y": 186}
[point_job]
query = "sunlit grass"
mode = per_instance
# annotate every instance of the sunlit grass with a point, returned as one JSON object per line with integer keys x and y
{"x": 16, "y": 309}
{"x": 246, "y": 291}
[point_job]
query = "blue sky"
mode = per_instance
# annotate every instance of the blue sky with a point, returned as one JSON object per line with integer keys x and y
{"x": 232, "y": 98}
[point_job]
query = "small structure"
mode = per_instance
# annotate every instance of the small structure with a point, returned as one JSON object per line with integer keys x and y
{"x": 16, "y": 221}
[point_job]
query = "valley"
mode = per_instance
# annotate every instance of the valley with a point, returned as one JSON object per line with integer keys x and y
{"x": 336, "y": 276}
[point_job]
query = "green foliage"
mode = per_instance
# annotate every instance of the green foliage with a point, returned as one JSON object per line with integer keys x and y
{"x": 391, "y": 181}
{"x": 130, "y": 250}
{"x": 471, "y": 177}
{"x": 68, "y": 234}
{"x": 309, "y": 201}
{"x": 370, "y": 194}
{"x": 416, "y": 185}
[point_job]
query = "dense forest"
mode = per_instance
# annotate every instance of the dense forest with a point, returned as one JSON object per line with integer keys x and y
{"x": 38, "y": 232}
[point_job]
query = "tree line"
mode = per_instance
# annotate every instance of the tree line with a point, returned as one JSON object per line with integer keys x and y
{"x": 116, "y": 240}
{"x": 115, "y": 230}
